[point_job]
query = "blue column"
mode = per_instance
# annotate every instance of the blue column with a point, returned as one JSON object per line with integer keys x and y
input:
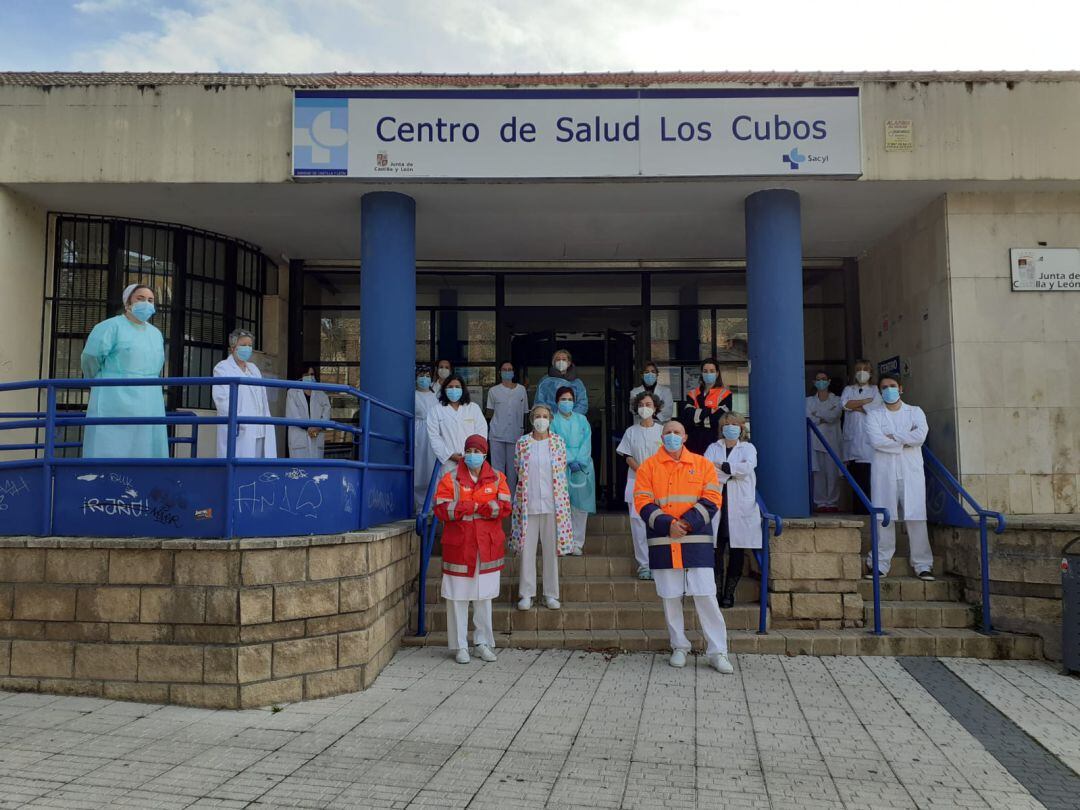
{"x": 388, "y": 307}
{"x": 774, "y": 294}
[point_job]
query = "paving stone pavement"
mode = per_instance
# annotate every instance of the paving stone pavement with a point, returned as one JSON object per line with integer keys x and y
{"x": 556, "y": 729}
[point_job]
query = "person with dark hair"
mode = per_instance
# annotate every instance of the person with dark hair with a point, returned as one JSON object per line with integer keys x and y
{"x": 897, "y": 431}
{"x": 424, "y": 402}
{"x": 507, "y": 403}
{"x": 304, "y": 404}
{"x": 456, "y": 418}
{"x": 640, "y": 441}
{"x": 823, "y": 409}
{"x": 704, "y": 406}
{"x": 858, "y": 399}
{"x": 443, "y": 370}
{"x": 574, "y": 429}
{"x": 562, "y": 373}
{"x": 664, "y": 400}
{"x": 126, "y": 345}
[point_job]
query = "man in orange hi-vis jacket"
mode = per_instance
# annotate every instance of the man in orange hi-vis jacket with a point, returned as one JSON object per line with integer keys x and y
{"x": 676, "y": 492}
{"x": 472, "y": 500}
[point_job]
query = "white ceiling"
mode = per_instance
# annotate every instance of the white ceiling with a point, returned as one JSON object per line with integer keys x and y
{"x": 537, "y": 221}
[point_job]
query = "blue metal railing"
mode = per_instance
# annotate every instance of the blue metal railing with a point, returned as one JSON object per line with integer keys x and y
{"x": 873, "y": 511}
{"x": 941, "y": 472}
{"x": 191, "y": 440}
{"x": 763, "y": 561}
{"x": 426, "y": 523}
{"x": 52, "y": 420}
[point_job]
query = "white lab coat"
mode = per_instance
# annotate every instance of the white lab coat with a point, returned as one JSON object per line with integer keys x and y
{"x": 317, "y": 408}
{"x": 665, "y": 396}
{"x": 250, "y": 401}
{"x": 826, "y": 415}
{"x": 856, "y": 445}
{"x": 448, "y": 428}
{"x": 744, "y": 517}
{"x": 423, "y": 457}
{"x": 899, "y": 458}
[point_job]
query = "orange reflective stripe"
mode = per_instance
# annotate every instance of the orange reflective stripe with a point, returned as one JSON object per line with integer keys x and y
{"x": 676, "y": 555}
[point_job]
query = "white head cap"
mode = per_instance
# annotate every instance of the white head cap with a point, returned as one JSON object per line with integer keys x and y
{"x": 128, "y": 290}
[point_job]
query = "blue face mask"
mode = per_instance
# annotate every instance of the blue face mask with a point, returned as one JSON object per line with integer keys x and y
{"x": 453, "y": 394}
{"x": 143, "y": 310}
{"x": 890, "y": 395}
{"x": 244, "y": 352}
{"x": 566, "y": 406}
{"x": 821, "y": 385}
{"x": 672, "y": 442}
{"x": 474, "y": 461}
{"x": 649, "y": 378}
{"x": 507, "y": 376}
{"x": 423, "y": 383}
{"x": 709, "y": 377}
{"x": 731, "y": 432}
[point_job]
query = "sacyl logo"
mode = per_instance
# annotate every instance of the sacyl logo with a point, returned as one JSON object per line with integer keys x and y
{"x": 793, "y": 159}
{"x": 321, "y": 136}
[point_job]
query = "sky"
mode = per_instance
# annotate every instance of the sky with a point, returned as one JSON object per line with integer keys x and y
{"x": 472, "y": 36}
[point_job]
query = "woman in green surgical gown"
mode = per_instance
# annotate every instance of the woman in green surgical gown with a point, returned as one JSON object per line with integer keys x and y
{"x": 128, "y": 347}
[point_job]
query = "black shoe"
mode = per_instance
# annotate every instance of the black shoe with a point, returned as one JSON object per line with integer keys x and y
{"x": 727, "y": 598}
{"x": 926, "y": 576}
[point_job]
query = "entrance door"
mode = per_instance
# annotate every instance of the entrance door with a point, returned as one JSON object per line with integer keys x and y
{"x": 619, "y": 374}
{"x": 531, "y": 351}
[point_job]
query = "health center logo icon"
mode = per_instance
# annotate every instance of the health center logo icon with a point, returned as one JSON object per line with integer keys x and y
{"x": 321, "y": 137}
{"x": 793, "y": 159}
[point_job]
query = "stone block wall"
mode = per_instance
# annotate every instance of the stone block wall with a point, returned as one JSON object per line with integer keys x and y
{"x": 815, "y": 567}
{"x": 205, "y": 623}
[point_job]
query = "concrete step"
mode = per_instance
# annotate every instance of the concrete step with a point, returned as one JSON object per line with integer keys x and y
{"x": 592, "y": 565}
{"x": 598, "y": 590}
{"x": 507, "y": 618}
{"x": 619, "y": 545}
{"x": 912, "y": 589}
{"x": 924, "y": 615}
{"x": 944, "y": 642}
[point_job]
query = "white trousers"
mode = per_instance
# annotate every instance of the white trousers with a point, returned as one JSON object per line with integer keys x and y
{"x": 502, "y": 459}
{"x": 457, "y": 623}
{"x": 579, "y": 519}
{"x": 709, "y": 616}
{"x": 637, "y": 534}
{"x": 542, "y": 528}
{"x": 826, "y": 480}
{"x": 922, "y": 557}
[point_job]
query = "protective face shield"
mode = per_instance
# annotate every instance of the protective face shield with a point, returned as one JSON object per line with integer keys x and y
{"x": 891, "y": 394}
{"x": 453, "y": 394}
{"x": 507, "y": 376}
{"x": 443, "y": 373}
{"x": 474, "y": 460}
{"x": 541, "y": 424}
{"x": 673, "y": 442}
{"x": 862, "y": 377}
{"x": 709, "y": 378}
{"x": 649, "y": 378}
{"x": 645, "y": 412}
{"x": 244, "y": 352}
{"x": 821, "y": 385}
{"x": 561, "y": 366}
{"x": 143, "y": 310}
{"x": 423, "y": 383}
{"x": 731, "y": 432}
{"x": 566, "y": 406}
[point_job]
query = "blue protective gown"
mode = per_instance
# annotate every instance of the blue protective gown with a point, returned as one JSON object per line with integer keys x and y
{"x": 550, "y": 385}
{"x": 119, "y": 348}
{"x": 577, "y": 434}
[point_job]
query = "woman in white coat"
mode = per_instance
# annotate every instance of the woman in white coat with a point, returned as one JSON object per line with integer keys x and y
{"x": 737, "y": 526}
{"x": 897, "y": 432}
{"x": 649, "y": 384}
{"x": 452, "y": 422}
{"x": 640, "y": 441}
{"x": 858, "y": 400}
{"x": 305, "y": 404}
{"x": 252, "y": 441}
{"x": 823, "y": 408}
{"x": 424, "y": 402}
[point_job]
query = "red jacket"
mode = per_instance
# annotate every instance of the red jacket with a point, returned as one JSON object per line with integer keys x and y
{"x": 472, "y": 513}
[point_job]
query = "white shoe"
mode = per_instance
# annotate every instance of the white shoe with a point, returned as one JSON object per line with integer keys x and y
{"x": 720, "y": 663}
{"x": 462, "y": 656}
{"x": 551, "y": 603}
{"x": 525, "y": 603}
{"x": 678, "y": 658}
{"x": 577, "y": 552}
{"x": 485, "y": 652}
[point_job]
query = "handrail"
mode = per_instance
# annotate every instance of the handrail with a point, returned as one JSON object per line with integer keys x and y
{"x": 984, "y": 544}
{"x": 425, "y": 528}
{"x": 872, "y": 510}
{"x": 763, "y": 561}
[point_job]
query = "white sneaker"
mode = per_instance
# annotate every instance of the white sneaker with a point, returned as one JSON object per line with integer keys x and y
{"x": 551, "y": 603}
{"x": 462, "y": 656}
{"x": 525, "y": 603}
{"x": 720, "y": 663}
{"x": 678, "y": 658}
{"x": 577, "y": 552}
{"x": 485, "y": 652}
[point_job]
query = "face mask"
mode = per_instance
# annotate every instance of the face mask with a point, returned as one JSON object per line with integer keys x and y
{"x": 862, "y": 377}
{"x": 444, "y": 373}
{"x": 731, "y": 432}
{"x": 645, "y": 412}
{"x": 453, "y": 394}
{"x": 307, "y": 378}
{"x": 890, "y": 395}
{"x": 423, "y": 383}
{"x": 143, "y": 310}
{"x": 672, "y": 442}
{"x": 541, "y": 424}
{"x": 708, "y": 377}
{"x": 507, "y": 376}
{"x": 474, "y": 461}
{"x": 244, "y": 352}
{"x": 566, "y": 406}
{"x": 561, "y": 366}
{"x": 649, "y": 378}
{"x": 821, "y": 385}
